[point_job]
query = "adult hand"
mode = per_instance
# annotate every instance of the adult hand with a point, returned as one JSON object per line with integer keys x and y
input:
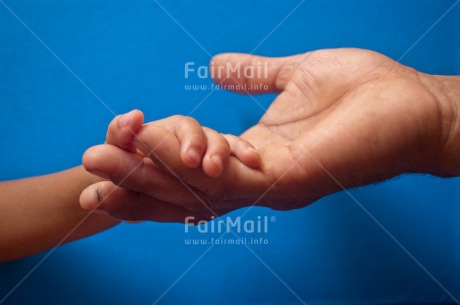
{"x": 343, "y": 118}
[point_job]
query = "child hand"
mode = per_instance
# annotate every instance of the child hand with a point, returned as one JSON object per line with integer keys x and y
{"x": 199, "y": 146}
{"x": 172, "y": 183}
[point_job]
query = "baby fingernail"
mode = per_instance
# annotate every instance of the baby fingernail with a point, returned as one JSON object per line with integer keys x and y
{"x": 218, "y": 162}
{"x": 125, "y": 118}
{"x": 194, "y": 155}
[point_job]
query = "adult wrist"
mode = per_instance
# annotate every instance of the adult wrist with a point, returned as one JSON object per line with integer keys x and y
{"x": 446, "y": 90}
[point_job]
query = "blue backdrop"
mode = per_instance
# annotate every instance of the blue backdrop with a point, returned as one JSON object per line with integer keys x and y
{"x": 65, "y": 64}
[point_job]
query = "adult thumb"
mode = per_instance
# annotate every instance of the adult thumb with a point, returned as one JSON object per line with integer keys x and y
{"x": 251, "y": 74}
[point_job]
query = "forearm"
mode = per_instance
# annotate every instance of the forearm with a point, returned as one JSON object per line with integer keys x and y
{"x": 41, "y": 212}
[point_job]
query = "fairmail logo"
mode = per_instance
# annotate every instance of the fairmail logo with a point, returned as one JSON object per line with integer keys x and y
{"x": 228, "y": 224}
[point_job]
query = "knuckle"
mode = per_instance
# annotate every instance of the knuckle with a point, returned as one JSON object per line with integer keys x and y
{"x": 187, "y": 125}
{"x": 224, "y": 152}
{"x": 110, "y": 135}
{"x": 215, "y": 195}
{"x": 221, "y": 146}
{"x": 197, "y": 139}
{"x": 188, "y": 120}
{"x": 177, "y": 117}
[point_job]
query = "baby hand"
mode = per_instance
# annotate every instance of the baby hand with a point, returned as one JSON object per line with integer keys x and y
{"x": 169, "y": 169}
{"x": 199, "y": 146}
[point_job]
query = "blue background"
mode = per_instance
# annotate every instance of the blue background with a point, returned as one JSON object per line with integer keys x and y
{"x": 132, "y": 55}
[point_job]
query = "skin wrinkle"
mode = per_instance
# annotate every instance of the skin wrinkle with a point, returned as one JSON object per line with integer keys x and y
{"x": 454, "y": 107}
{"x": 251, "y": 62}
{"x": 358, "y": 182}
{"x": 320, "y": 114}
{"x": 296, "y": 159}
{"x": 289, "y": 69}
{"x": 392, "y": 68}
{"x": 443, "y": 141}
{"x": 300, "y": 158}
{"x": 98, "y": 195}
{"x": 282, "y": 75}
{"x": 143, "y": 174}
{"x": 420, "y": 138}
{"x": 300, "y": 71}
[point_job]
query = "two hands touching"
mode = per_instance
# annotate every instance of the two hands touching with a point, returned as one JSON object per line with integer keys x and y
{"x": 166, "y": 170}
{"x": 343, "y": 118}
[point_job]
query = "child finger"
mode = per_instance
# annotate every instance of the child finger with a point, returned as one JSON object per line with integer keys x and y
{"x": 244, "y": 151}
{"x": 163, "y": 148}
{"x": 217, "y": 153}
{"x": 193, "y": 141}
{"x": 190, "y": 134}
{"x": 115, "y": 164}
{"x": 123, "y": 129}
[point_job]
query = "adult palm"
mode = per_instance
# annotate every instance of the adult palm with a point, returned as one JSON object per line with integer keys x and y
{"x": 344, "y": 118}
